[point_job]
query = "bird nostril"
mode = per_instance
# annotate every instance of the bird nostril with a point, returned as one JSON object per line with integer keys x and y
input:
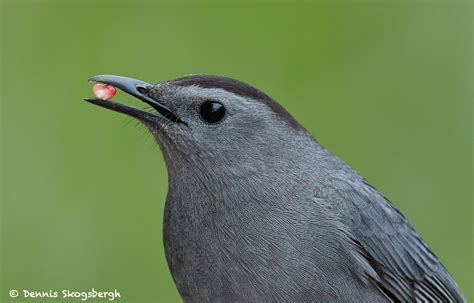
{"x": 142, "y": 90}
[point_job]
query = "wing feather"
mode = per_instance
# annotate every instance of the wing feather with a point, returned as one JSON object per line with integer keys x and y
{"x": 405, "y": 265}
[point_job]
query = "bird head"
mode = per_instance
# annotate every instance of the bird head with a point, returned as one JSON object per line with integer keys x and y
{"x": 217, "y": 122}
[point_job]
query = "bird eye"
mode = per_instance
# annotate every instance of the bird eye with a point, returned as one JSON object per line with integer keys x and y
{"x": 212, "y": 111}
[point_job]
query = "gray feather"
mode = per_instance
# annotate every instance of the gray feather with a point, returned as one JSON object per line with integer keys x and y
{"x": 259, "y": 211}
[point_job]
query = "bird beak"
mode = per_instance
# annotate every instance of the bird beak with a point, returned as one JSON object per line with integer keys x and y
{"x": 138, "y": 89}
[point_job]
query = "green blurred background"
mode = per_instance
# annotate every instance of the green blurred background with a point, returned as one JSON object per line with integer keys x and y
{"x": 385, "y": 85}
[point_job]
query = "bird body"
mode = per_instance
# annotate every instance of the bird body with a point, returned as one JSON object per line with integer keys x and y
{"x": 258, "y": 211}
{"x": 244, "y": 241}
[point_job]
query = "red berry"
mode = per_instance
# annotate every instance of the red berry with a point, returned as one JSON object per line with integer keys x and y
{"x": 104, "y": 91}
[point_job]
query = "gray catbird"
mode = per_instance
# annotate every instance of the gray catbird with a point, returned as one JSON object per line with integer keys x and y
{"x": 258, "y": 211}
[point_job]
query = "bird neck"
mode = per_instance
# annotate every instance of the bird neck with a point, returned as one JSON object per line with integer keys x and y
{"x": 264, "y": 178}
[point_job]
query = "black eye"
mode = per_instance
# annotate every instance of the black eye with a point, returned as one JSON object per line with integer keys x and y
{"x": 212, "y": 112}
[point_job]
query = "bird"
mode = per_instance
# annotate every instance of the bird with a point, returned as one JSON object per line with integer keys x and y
{"x": 257, "y": 210}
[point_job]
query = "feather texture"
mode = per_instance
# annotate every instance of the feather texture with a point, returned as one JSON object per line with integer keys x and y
{"x": 406, "y": 267}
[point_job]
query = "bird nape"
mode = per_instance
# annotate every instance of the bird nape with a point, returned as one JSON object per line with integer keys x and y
{"x": 258, "y": 211}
